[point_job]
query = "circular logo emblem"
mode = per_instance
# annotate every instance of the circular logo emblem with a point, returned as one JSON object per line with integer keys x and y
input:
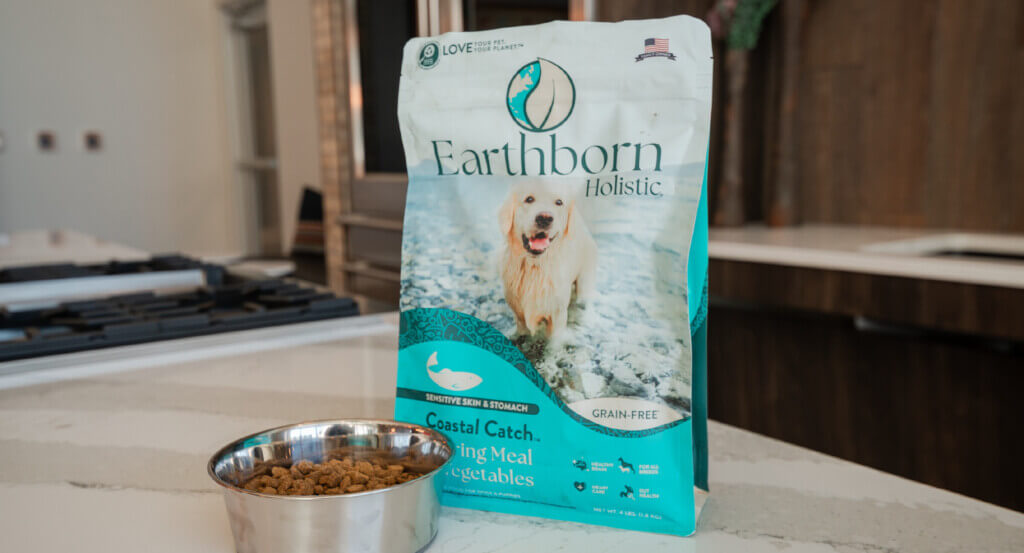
{"x": 429, "y": 55}
{"x": 540, "y": 96}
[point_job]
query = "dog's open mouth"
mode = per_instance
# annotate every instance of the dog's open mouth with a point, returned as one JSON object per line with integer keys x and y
{"x": 537, "y": 243}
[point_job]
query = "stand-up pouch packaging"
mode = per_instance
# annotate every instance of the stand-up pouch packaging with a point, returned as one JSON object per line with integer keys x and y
{"x": 554, "y": 267}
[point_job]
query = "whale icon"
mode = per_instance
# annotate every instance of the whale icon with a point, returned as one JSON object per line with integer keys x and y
{"x": 452, "y": 380}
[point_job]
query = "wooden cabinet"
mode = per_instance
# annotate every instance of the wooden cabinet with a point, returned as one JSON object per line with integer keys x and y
{"x": 917, "y": 378}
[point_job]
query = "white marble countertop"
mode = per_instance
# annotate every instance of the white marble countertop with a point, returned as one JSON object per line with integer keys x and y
{"x": 875, "y": 250}
{"x": 107, "y": 451}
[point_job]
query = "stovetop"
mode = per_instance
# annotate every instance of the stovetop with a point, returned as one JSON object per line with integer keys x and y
{"x": 223, "y": 304}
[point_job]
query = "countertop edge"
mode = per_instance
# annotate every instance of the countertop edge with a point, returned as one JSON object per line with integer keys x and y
{"x": 964, "y": 272}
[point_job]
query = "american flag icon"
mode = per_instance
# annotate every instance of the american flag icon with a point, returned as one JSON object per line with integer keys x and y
{"x": 655, "y": 45}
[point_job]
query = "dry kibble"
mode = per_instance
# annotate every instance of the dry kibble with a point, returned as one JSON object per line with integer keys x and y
{"x": 349, "y": 469}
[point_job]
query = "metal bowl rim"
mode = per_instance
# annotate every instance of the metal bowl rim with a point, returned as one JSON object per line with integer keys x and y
{"x": 231, "y": 487}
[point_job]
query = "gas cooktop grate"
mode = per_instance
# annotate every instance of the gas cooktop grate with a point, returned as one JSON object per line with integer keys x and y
{"x": 146, "y": 317}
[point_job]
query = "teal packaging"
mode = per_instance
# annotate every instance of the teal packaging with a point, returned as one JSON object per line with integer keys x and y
{"x": 554, "y": 267}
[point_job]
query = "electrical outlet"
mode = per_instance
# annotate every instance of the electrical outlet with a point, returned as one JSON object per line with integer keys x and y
{"x": 2, "y": 142}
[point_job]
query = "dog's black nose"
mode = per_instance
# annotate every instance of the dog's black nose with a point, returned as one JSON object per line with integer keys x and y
{"x": 544, "y": 220}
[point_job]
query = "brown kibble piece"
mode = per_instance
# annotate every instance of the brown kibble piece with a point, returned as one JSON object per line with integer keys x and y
{"x": 354, "y": 488}
{"x": 330, "y": 480}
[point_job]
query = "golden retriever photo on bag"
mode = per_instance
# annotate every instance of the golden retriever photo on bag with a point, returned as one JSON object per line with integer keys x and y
{"x": 549, "y": 254}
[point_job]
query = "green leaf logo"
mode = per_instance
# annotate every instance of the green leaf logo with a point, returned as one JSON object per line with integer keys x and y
{"x": 540, "y": 96}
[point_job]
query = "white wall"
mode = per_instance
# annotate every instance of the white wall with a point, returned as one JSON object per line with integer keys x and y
{"x": 292, "y": 65}
{"x": 147, "y": 74}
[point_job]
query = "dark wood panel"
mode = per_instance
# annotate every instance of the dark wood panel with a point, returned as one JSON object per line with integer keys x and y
{"x": 975, "y": 168}
{"x": 619, "y": 10}
{"x": 945, "y": 413}
{"x": 908, "y": 113}
{"x": 932, "y": 304}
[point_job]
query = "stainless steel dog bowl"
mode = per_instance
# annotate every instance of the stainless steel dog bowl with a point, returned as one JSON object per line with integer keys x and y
{"x": 398, "y": 519}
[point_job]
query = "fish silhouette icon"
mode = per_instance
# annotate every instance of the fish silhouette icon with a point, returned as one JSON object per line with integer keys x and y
{"x": 457, "y": 381}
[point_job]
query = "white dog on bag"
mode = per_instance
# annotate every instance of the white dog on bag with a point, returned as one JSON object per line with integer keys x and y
{"x": 548, "y": 249}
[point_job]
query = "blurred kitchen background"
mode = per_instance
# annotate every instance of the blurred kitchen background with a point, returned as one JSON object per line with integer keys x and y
{"x": 866, "y": 185}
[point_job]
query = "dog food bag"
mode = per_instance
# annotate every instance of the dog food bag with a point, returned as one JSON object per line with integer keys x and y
{"x": 554, "y": 267}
